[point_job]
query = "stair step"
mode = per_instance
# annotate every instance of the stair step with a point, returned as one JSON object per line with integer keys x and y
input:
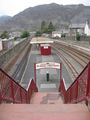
{"x": 46, "y": 98}
{"x": 43, "y": 112}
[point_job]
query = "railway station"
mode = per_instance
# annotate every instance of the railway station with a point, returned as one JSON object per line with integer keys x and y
{"x": 56, "y": 77}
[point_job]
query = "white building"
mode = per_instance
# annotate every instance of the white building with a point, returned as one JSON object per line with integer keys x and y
{"x": 59, "y": 33}
{"x": 79, "y": 28}
{"x": 87, "y": 28}
{"x": 1, "y": 45}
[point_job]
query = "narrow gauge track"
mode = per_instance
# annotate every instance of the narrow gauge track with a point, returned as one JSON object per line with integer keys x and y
{"x": 21, "y": 67}
{"x": 70, "y": 66}
{"x": 10, "y": 65}
{"x": 79, "y": 54}
{"x": 80, "y": 59}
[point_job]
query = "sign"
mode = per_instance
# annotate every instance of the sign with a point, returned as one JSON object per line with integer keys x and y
{"x": 45, "y": 47}
{"x": 44, "y": 65}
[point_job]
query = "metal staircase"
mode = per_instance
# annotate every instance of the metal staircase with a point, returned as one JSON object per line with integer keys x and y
{"x": 33, "y": 105}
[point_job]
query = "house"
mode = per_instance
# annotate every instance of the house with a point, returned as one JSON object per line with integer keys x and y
{"x": 76, "y": 28}
{"x": 79, "y": 28}
{"x": 58, "y": 34}
{"x": 87, "y": 28}
{"x": 7, "y": 44}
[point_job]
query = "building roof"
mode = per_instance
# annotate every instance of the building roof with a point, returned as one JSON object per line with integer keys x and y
{"x": 77, "y": 25}
{"x": 60, "y": 32}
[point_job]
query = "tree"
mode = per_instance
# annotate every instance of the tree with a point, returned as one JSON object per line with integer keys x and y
{"x": 51, "y": 27}
{"x": 4, "y": 35}
{"x": 38, "y": 33}
{"x": 24, "y": 34}
{"x": 43, "y": 27}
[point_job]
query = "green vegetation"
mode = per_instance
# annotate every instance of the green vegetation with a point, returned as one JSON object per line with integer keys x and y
{"x": 63, "y": 35}
{"x": 4, "y": 35}
{"x": 78, "y": 37}
{"x": 45, "y": 29}
{"x": 15, "y": 38}
{"x": 24, "y": 34}
{"x": 38, "y": 33}
{"x": 50, "y": 28}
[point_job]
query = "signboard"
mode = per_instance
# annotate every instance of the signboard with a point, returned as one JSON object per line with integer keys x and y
{"x": 45, "y": 47}
{"x": 44, "y": 65}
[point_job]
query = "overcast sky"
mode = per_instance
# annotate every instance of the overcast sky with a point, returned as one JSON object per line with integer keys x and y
{"x": 12, "y": 7}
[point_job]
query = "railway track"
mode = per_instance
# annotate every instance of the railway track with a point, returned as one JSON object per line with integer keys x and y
{"x": 21, "y": 67}
{"x": 10, "y": 65}
{"x": 74, "y": 60}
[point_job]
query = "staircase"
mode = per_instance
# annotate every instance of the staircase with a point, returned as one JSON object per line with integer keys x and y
{"x": 46, "y": 98}
{"x": 34, "y": 105}
{"x": 44, "y": 106}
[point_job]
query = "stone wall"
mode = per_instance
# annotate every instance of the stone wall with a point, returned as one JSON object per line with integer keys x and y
{"x": 82, "y": 38}
{"x": 6, "y": 57}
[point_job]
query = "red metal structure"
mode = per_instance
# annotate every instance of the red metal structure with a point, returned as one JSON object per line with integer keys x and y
{"x": 11, "y": 91}
{"x": 46, "y": 65}
{"x": 45, "y": 49}
{"x": 80, "y": 88}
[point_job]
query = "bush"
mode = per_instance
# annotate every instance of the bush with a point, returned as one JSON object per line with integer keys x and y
{"x": 38, "y": 33}
{"x": 78, "y": 37}
{"x": 15, "y": 38}
{"x": 24, "y": 34}
{"x": 4, "y": 35}
{"x": 63, "y": 35}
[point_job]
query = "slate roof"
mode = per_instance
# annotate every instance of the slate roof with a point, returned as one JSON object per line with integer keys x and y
{"x": 60, "y": 32}
{"x": 77, "y": 26}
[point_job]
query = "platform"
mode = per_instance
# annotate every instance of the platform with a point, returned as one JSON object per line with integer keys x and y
{"x": 40, "y": 40}
{"x": 43, "y": 85}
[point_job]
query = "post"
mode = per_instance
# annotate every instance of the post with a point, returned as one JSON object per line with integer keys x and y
{"x": 60, "y": 72}
{"x": 88, "y": 81}
{"x": 12, "y": 90}
{"x": 76, "y": 89}
{"x": 35, "y": 72}
{"x": 47, "y": 75}
{"x": 0, "y": 97}
{"x": 21, "y": 94}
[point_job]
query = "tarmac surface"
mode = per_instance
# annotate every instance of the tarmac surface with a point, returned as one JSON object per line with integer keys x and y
{"x": 41, "y": 79}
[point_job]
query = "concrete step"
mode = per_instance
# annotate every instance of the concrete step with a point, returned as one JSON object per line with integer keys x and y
{"x": 46, "y": 98}
{"x": 43, "y": 112}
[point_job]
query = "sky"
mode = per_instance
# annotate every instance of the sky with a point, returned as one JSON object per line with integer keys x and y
{"x": 13, "y": 7}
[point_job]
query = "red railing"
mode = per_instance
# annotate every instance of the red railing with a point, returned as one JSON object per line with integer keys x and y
{"x": 80, "y": 88}
{"x": 11, "y": 91}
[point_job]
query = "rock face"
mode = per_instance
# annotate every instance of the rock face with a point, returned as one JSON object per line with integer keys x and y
{"x": 31, "y": 18}
{"x": 4, "y": 18}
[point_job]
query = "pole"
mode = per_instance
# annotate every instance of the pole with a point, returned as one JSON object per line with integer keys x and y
{"x": 60, "y": 72}
{"x": 35, "y": 72}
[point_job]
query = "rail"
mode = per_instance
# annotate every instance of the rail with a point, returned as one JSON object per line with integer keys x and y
{"x": 11, "y": 91}
{"x": 79, "y": 89}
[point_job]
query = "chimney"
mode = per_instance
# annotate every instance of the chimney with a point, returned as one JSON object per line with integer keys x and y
{"x": 87, "y": 22}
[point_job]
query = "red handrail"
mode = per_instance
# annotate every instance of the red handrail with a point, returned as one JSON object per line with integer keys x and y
{"x": 79, "y": 89}
{"x": 11, "y": 91}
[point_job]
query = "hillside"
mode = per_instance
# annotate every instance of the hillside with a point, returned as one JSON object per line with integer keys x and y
{"x": 4, "y": 18}
{"x": 60, "y": 15}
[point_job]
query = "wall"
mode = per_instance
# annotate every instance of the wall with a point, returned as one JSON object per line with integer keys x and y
{"x": 83, "y": 38}
{"x": 6, "y": 57}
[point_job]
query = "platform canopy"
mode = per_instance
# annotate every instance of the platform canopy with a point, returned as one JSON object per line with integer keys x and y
{"x": 41, "y": 40}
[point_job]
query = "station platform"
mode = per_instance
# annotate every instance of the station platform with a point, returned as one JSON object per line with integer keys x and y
{"x": 41, "y": 40}
{"x": 41, "y": 80}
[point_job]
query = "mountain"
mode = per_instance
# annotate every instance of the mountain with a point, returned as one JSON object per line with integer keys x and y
{"x": 31, "y": 18}
{"x": 4, "y": 18}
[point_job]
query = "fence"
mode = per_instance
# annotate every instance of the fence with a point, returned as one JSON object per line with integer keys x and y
{"x": 11, "y": 91}
{"x": 80, "y": 88}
